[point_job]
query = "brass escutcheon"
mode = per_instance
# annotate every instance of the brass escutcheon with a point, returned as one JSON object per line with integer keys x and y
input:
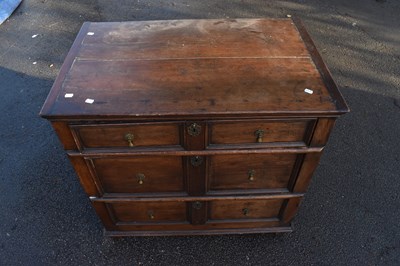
{"x": 196, "y": 160}
{"x": 251, "y": 174}
{"x": 140, "y": 178}
{"x": 259, "y": 133}
{"x": 194, "y": 130}
{"x": 197, "y": 205}
{"x": 129, "y": 137}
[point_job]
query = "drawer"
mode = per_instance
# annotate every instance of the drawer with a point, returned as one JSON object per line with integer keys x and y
{"x": 245, "y": 209}
{"x": 251, "y": 171}
{"x": 148, "y": 212}
{"x": 259, "y": 132}
{"x": 142, "y": 174}
{"x": 126, "y": 135}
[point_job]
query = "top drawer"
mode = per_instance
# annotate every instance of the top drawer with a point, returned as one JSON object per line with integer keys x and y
{"x": 262, "y": 132}
{"x": 126, "y": 135}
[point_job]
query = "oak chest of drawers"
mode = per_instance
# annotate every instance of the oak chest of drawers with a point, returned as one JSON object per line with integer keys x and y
{"x": 194, "y": 126}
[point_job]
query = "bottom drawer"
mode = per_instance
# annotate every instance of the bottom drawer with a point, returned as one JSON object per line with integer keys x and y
{"x": 148, "y": 212}
{"x": 180, "y": 216}
{"x": 244, "y": 209}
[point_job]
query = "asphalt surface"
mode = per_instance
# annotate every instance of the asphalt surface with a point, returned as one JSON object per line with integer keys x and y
{"x": 350, "y": 216}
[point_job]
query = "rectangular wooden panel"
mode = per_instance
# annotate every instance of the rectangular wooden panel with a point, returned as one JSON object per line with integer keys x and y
{"x": 192, "y": 39}
{"x": 252, "y": 171}
{"x": 148, "y": 212}
{"x": 220, "y": 86}
{"x": 258, "y": 132}
{"x": 115, "y": 135}
{"x": 142, "y": 174}
{"x": 245, "y": 209}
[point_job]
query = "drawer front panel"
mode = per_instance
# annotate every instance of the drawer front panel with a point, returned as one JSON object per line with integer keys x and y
{"x": 251, "y": 171}
{"x": 129, "y": 135}
{"x": 257, "y": 132}
{"x": 245, "y": 209}
{"x": 142, "y": 174}
{"x": 148, "y": 212}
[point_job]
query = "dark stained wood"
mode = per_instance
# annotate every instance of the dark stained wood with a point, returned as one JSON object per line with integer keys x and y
{"x": 148, "y": 88}
{"x": 323, "y": 70}
{"x": 180, "y": 152}
{"x": 244, "y": 132}
{"x": 149, "y": 212}
{"x": 198, "y": 212}
{"x": 64, "y": 134}
{"x": 85, "y": 176}
{"x": 113, "y": 135}
{"x": 244, "y": 209}
{"x": 290, "y": 209}
{"x": 209, "y": 229}
{"x": 265, "y": 72}
{"x": 105, "y": 215}
{"x": 322, "y": 131}
{"x": 251, "y": 171}
{"x": 192, "y": 39}
{"x": 199, "y": 198}
{"x": 192, "y": 93}
{"x": 139, "y": 174}
{"x": 69, "y": 60}
{"x": 196, "y": 181}
{"x": 307, "y": 169}
{"x": 195, "y": 141}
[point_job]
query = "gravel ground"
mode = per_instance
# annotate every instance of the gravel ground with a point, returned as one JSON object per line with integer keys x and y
{"x": 350, "y": 215}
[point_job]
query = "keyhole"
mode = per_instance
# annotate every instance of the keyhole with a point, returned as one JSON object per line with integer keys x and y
{"x": 196, "y": 160}
{"x": 194, "y": 130}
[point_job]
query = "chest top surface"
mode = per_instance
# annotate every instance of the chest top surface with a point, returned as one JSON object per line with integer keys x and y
{"x": 184, "y": 68}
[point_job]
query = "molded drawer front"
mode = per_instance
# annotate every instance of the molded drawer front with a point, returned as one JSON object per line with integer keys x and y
{"x": 245, "y": 209}
{"x": 148, "y": 212}
{"x": 257, "y": 132}
{"x": 127, "y": 135}
{"x": 251, "y": 171}
{"x": 144, "y": 174}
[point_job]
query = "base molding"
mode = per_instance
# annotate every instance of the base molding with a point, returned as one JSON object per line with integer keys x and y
{"x": 241, "y": 231}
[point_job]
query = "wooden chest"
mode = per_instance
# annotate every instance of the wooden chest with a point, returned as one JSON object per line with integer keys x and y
{"x": 194, "y": 126}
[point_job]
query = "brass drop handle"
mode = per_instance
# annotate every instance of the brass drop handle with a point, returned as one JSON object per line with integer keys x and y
{"x": 150, "y": 214}
{"x": 245, "y": 211}
{"x": 140, "y": 178}
{"x": 129, "y": 137}
{"x": 251, "y": 175}
{"x": 259, "y": 133}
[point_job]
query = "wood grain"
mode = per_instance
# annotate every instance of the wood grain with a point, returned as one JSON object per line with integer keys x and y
{"x": 242, "y": 209}
{"x": 120, "y": 175}
{"x": 270, "y": 171}
{"x": 193, "y": 39}
{"x": 243, "y": 132}
{"x": 113, "y": 135}
{"x": 154, "y": 68}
